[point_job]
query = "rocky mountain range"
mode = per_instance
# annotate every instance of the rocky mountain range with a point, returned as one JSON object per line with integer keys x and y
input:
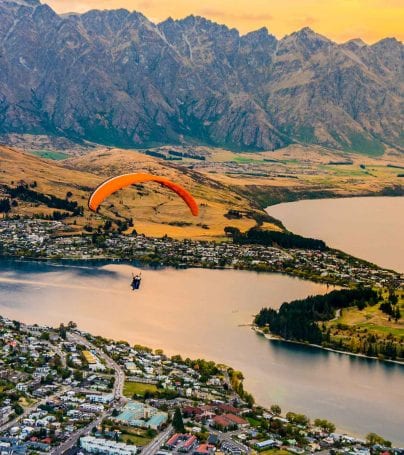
{"x": 115, "y": 77}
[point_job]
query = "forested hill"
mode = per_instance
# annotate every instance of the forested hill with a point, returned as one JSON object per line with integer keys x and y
{"x": 306, "y": 321}
{"x": 298, "y": 319}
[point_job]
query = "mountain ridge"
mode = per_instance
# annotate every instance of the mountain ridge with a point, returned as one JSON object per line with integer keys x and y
{"x": 116, "y": 78}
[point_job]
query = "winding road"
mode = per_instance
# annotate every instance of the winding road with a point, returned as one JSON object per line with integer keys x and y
{"x": 117, "y": 391}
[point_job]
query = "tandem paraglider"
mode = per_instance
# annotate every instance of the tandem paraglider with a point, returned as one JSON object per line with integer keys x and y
{"x": 115, "y": 184}
{"x": 136, "y": 280}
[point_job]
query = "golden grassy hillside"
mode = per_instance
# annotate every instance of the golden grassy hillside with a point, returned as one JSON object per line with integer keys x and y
{"x": 51, "y": 178}
{"x": 155, "y": 210}
{"x": 224, "y": 181}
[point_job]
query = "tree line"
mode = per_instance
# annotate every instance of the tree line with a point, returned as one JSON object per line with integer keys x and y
{"x": 24, "y": 192}
{"x": 274, "y": 238}
{"x": 304, "y": 320}
{"x": 298, "y": 319}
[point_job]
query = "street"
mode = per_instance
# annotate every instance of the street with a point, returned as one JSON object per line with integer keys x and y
{"x": 117, "y": 391}
{"x": 153, "y": 447}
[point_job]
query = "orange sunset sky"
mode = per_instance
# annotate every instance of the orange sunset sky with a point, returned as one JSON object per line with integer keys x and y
{"x": 339, "y": 20}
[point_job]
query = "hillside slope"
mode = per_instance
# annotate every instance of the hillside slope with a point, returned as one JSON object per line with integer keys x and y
{"x": 155, "y": 210}
{"x": 116, "y": 78}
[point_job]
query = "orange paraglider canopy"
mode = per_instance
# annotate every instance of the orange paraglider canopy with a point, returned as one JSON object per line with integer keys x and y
{"x": 116, "y": 183}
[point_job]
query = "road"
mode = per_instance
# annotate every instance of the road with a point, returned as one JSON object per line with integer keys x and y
{"x": 153, "y": 447}
{"x": 72, "y": 441}
{"x": 117, "y": 391}
{"x": 119, "y": 374}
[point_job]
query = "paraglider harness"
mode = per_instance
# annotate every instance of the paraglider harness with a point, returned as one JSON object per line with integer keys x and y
{"x": 136, "y": 279}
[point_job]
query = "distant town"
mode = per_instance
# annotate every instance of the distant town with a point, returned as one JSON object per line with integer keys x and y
{"x": 63, "y": 391}
{"x": 38, "y": 239}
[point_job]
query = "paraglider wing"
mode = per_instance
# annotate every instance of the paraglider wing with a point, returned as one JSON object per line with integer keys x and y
{"x": 116, "y": 183}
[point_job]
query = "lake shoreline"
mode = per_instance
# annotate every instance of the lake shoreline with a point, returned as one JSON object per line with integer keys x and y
{"x": 318, "y": 196}
{"x": 272, "y": 337}
{"x": 100, "y": 301}
{"x": 362, "y": 227}
{"x": 321, "y": 279}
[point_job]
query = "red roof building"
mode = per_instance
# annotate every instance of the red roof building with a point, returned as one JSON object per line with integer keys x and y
{"x": 189, "y": 443}
{"x": 229, "y": 420}
{"x": 228, "y": 408}
{"x": 204, "y": 449}
{"x": 222, "y": 422}
{"x": 236, "y": 419}
{"x": 191, "y": 411}
{"x": 173, "y": 440}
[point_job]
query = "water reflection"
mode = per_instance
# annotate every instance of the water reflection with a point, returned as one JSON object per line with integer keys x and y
{"x": 370, "y": 228}
{"x": 198, "y": 313}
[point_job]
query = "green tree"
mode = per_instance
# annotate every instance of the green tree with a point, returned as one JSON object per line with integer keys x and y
{"x": 298, "y": 419}
{"x": 62, "y": 331}
{"x": 249, "y": 399}
{"x": 5, "y": 206}
{"x": 373, "y": 438}
{"x": 78, "y": 375}
{"x": 18, "y": 409}
{"x": 276, "y": 409}
{"x": 325, "y": 425}
{"x": 178, "y": 423}
{"x": 17, "y": 325}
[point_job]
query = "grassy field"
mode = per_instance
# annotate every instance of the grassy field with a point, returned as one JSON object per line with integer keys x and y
{"x": 368, "y": 331}
{"x": 24, "y": 402}
{"x": 50, "y": 155}
{"x": 131, "y": 435}
{"x": 254, "y": 422}
{"x": 371, "y": 319}
{"x": 274, "y": 452}
{"x": 137, "y": 388}
{"x": 302, "y": 169}
{"x": 139, "y": 440}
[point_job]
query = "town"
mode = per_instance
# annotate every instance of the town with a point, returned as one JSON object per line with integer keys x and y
{"x": 63, "y": 391}
{"x": 38, "y": 239}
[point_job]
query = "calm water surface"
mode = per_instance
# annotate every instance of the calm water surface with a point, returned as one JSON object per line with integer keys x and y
{"x": 200, "y": 313}
{"x": 371, "y": 228}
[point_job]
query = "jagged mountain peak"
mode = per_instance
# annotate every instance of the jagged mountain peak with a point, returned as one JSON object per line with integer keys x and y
{"x": 28, "y": 3}
{"x": 261, "y": 34}
{"x": 263, "y": 31}
{"x": 117, "y": 78}
{"x": 307, "y": 33}
{"x": 305, "y": 41}
{"x": 357, "y": 42}
{"x": 388, "y": 43}
{"x": 199, "y": 23}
